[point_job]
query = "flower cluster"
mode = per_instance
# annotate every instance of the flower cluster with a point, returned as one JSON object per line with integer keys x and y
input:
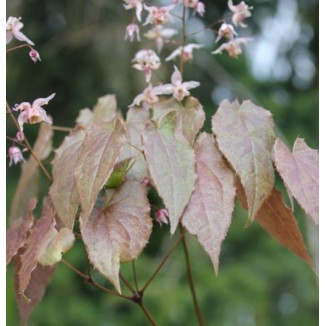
{"x": 226, "y": 31}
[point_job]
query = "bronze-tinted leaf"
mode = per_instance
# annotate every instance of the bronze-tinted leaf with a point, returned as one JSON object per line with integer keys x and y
{"x": 119, "y": 232}
{"x": 17, "y": 233}
{"x": 190, "y": 120}
{"x": 245, "y": 136}
{"x": 105, "y": 108}
{"x": 38, "y": 235}
{"x": 171, "y": 164}
{"x": 63, "y": 191}
{"x": 300, "y": 172}
{"x": 28, "y": 183}
{"x": 40, "y": 279}
{"x": 209, "y": 212}
{"x": 101, "y": 150}
{"x": 277, "y": 219}
{"x": 135, "y": 124}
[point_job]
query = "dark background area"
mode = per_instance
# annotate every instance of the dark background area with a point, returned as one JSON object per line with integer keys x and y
{"x": 84, "y": 57}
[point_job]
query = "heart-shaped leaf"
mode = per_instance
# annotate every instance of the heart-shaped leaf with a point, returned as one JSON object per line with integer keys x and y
{"x": 119, "y": 232}
{"x": 300, "y": 172}
{"x": 245, "y": 135}
{"x": 209, "y": 212}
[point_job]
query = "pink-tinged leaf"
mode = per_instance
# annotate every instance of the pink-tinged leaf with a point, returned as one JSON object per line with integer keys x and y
{"x": 40, "y": 279}
{"x": 171, "y": 164}
{"x": 28, "y": 183}
{"x": 300, "y": 172}
{"x": 209, "y": 212}
{"x": 101, "y": 150}
{"x": 17, "y": 234}
{"x": 277, "y": 220}
{"x": 119, "y": 232}
{"x": 105, "y": 108}
{"x": 245, "y": 135}
{"x": 135, "y": 124}
{"x": 190, "y": 120}
{"x": 63, "y": 191}
{"x": 85, "y": 118}
{"x": 38, "y": 236}
{"x": 164, "y": 106}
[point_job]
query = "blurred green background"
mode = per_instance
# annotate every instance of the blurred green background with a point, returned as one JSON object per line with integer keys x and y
{"x": 84, "y": 57}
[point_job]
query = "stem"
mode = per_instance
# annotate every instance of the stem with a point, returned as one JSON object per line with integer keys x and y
{"x": 163, "y": 261}
{"x": 19, "y": 47}
{"x": 191, "y": 284}
{"x": 89, "y": 280}
{"x": 184, "y": 38}
{"x": 147, "y": 314}
{"x": 135, "y": 275}
{"x": 125, "y": 281}
{"x": 28, "y": 145}
{"x": 59, "y": 128}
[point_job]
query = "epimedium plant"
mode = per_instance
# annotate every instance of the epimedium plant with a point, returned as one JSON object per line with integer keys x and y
{"x": 102, "y": 171}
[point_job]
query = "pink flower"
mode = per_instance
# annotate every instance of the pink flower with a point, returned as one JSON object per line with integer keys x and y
{"x": 240, "y": 12}
{"x": 20, "y": 136}
{"x": 34, "y": 55}
{"x": 161, "y": 216}
{"x": 15, "y": 155}
{"x": 137, "y": 4}
{"x": 160, "y": 34}
{"x": 148, "y": 97}
{"x": 177, "y": 87}
{"x": 233, "y": 47}
{"x": 186, "y": 53}
{"x": 197, "y": 5}
{"x": 132, "y": 30}
{"x": 158, "y": 16}
{"x": 146, "y": 61}
{"x": 227, "y": 31}
{"x": 13, "y": 27}
{"x": 33, "y": 113}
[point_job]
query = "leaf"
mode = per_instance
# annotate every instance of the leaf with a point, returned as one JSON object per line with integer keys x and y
{"x": 118, "y": 176}
{"x": 164, "y": 106}
{"x": 28, "y": 183}
{"x": 105, "y": 108}
{"x": 40, "y": 279}
{"x": 119, "y": 232}
{"x": 63, "y": 191}
{"x": 38, "y": 235}
{"x": 171, "y": 164}
{"x": 209, "y": 212}
{"x": 245, "y": 136}
{"x": 101, "y": 150}
{"x": 300, "y": 173}
{"x": 135, "y": 124}
{"x": 277, "y": 219}
{"x": 16, "y": 235}
{"x": 190, "y": 120}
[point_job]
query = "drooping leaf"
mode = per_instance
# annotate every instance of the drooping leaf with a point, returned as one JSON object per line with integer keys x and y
{"x": 28, "y": 183}
{"x": 245, "y": 136}
{"x": 17, "y": 233}
{"x": 63, "y": 191}
{"x": 300, "y": 172}
{"x": 119, "y": 232}
{"x": 101, "y": 150}
{"x": 40, "y": 279}
{"x": 171, "y": 164}
{"x": 190, "y": 120}
{"x": 209, "y": 212}
{"x": 38, "y": 235}
{"x": 277, "y": 219}
{"x": 135, "y": 124}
